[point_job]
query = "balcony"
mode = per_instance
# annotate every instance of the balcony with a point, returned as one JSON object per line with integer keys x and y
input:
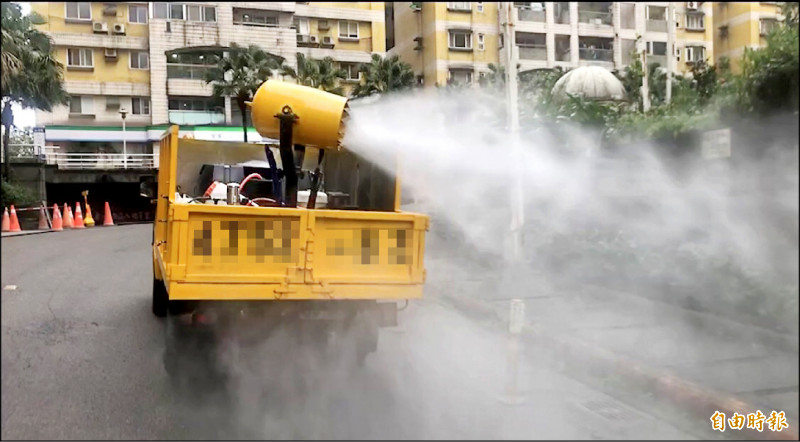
{"x": 593, "y": 54}
{"x": 186, "y": 71}
{"x": 595, "y": 17}
{"x": 195, "y": 118}
{"x": 533, "y": 52}
{"x": 529, "y": 14}
{"x": 657, "y": 25}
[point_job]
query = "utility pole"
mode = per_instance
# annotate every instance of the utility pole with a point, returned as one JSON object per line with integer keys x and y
{"x": 517, "y": 212}
{"x": 670, "y": 48}
{"x": 645, "y": 77}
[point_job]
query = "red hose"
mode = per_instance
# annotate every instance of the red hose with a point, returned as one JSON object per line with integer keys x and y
{"x": 248, "y": 178}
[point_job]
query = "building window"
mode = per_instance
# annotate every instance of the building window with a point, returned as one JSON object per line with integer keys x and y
{"x": 180, "y": 11}
{"x": 460, "y": 76}
{"x": 81, "y": 105}
{"x": 140, "y": 106}
{"x": 79, "y": 10}
{"x": 176, "y": 11}
{"x": 348, "y": 29}
{"x": 140, "y": 60}
{"x": 461, "y": 40}
{"x": 656, "y": 12}
{"x": 695, "y": 54}
{"x": 201, "y": 13}
{"x": 766, "y": 25}
{"x": 479, "y": 6}
{"x": 695, "y": 22}
{"x": 137, "y": 14}
{"x": 656, "y": 48}
{"x": 481, "y": 42}
{"x": 301, "y": 24}
{"x": 254, "y": 17}
{"x": 459, "y": 6}
{"x": 79, "y": 58}
{"x": 352, "y": 70}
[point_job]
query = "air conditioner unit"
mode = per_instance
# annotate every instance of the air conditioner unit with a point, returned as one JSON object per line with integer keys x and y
{"x": 596, "y": 21}
{"x": 110, "y": 10}
{"x": 323, "y": 25}
{"x": 313, "y": 39}
{"x": 302, "y": 39}
{"x": 691, "y": 6}
{"x": 119, "y": 28}
{"x": 327, "y": 40}
{"x": 99, "y": 26}
{"x": 110, "y": 53}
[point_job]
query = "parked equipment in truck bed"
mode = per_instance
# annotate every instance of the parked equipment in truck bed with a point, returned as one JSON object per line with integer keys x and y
{"x": 230, "y": 239}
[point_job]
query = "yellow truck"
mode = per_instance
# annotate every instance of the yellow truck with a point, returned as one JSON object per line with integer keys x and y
{"x": 303, "y": 234}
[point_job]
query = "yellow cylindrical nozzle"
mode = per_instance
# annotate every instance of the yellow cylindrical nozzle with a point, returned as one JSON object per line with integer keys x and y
{"x": 319, "y": 113}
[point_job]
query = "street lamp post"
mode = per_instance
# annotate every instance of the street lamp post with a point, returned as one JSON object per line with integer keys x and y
{"x": 123, "y": 113}
{"x": 513, "y": 127}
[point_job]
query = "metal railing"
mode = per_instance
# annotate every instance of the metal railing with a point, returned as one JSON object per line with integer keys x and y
{"x": 195, "y": 117}
{"x": 532, "y": 52}
{"x": 186, "y": 71}
{"x": 596, "y": 54}
{"x": 594, "y": 17}
{"x": 82, "y": 161}
{"x": 657, "y": 25}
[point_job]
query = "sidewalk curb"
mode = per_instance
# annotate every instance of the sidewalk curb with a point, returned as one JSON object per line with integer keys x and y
{"x": 24, "y": 233}
{"x": 695, "y": 397}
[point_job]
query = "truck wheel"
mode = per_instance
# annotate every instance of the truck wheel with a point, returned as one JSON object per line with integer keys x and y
{"x": 160, "y": 298}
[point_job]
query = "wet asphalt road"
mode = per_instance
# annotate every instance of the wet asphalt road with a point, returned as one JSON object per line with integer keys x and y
{"x": 81, "y": 359}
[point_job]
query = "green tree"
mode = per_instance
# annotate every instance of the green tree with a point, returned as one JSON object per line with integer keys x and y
{"x": 31, "y": 77}
{"x": 770, "y": 74}
{"x": 240, "y": 73}
{"x": 495, "y": 78}
{"x": 382, "y": 75}
{"x": 321, "y": 74}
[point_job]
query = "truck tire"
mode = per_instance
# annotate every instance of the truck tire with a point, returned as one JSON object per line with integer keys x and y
{"x": 160, "y": 298}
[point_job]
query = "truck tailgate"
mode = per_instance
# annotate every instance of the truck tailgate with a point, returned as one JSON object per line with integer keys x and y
{"x": 235, "y": 252}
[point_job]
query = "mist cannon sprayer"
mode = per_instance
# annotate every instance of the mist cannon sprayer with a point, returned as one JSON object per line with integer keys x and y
{"x": 298, "y": 116}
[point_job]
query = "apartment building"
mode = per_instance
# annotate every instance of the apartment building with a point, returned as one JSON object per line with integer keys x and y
{"x": 148, "y": 59}
{"x": 742, "y": 25}
{"x": 459, "y": 39}
{"x": 444, "y": 41}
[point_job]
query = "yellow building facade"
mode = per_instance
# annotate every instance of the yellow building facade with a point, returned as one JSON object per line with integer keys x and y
{"x": 445, "y": 41}
{"x": 742, "y": 25}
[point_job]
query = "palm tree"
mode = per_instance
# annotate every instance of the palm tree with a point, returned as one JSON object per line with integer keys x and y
{"x": 321, "y": 74}
{"x": 31, "y": 76}
{"x": 384, "y": 75}
{"x": 239, "y": 75}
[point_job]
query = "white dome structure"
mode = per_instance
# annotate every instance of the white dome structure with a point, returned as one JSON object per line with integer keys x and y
{"x": 593, "y": 82}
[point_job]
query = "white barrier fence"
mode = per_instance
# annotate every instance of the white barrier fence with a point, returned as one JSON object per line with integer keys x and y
{"x": 101, "y": 160}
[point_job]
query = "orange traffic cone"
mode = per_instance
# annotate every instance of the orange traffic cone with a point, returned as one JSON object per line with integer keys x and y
{"x": 68, "y": 220}
{"x": 78, "y": 223}
{"x": 14, "y": 221}
{"x": 6, "y": 220}
{"x": 43, "y": 225}
{"x": 107, "y": 219}
{"x": 57, "y": 221}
